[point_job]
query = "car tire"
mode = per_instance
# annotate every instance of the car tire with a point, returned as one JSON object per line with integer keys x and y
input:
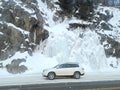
{"x": 51, "y": 75}
{"x": 77, "y": 75}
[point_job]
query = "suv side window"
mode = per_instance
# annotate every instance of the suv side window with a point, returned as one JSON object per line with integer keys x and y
{"x": 74, "y": 65}
{"x": 68, "y": 65}
{"x": 63, "y": 66}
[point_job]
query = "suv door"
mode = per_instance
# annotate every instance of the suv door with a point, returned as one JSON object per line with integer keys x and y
{"x": 73, "y": 68}
{"x": 69, "y": 70}
{"x": 62, "y": 70}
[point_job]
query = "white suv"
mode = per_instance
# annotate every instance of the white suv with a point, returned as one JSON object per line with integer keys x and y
{"x": 66, "y": 69}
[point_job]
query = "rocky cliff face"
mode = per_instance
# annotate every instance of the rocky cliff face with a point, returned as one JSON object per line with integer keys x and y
{"x": 21, "y": 27}
{"x": 107, "y": 26}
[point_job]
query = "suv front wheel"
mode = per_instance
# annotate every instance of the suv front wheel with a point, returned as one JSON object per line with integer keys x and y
{"x": 51, "y": 75}
{"x": 77, "y": 75}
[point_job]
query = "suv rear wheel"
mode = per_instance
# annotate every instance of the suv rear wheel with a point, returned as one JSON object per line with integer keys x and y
{"x": 77, "y": 75}
{"x": 51, "y": 75}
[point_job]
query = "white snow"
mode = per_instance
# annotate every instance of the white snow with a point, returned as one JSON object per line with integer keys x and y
{"x": 63, "y": 46}
{"x": 1, "y": 22}
{"x": 27, "y": 39}
{"x": 48, "y": 14}
{"x": 115, "y": 20}
{"x": 1, "y": 33}
{"x": 89, "y": 52}
{"x": 0, "y": 3}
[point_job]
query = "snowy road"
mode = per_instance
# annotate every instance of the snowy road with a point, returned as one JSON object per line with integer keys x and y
{"x": 38, "y": 79}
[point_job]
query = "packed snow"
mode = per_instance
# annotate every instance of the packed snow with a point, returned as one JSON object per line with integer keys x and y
{"x": 81, "y": 46}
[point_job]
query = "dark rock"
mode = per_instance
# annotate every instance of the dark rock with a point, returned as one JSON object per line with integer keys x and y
{"x": 84, "y": 8}
{"x": 114, "y": 49}
{"x": 60, "y": 16}
{"x": 43, "y": 1}
{"x": 77, "y": 25}
{"x": 15, "y": 67}
{"x": 109, "y": 52}
{"x": 29, "y": 1}
{"x": 44, "y": 35}
{"x": 1, "y": 65}
{"x": 8, "y": 16}
{"x": 50, "y": 4}
{"x": 10, "y": 41}
{"x": 30, "y": 51}
{"x": 106, "y": 17}
{"x": 103, "y": 16}
{"x": 67, "y": 5}
{"x": 105, "y": 26}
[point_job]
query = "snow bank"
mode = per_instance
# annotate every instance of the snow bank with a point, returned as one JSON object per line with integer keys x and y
{"x": 35, "y": 64}
{"x": 38, "y": 62}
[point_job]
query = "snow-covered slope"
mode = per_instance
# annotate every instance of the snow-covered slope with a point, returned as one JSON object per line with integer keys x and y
{"x": 63, "y": 45}
{"x": 114, "y": 22}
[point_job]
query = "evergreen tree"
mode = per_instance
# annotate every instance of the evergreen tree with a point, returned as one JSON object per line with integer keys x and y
{"x": 67, "y": 5}
{"x": 84, "y": 7}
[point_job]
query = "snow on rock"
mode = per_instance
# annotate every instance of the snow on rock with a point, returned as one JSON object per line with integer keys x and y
{"x": 35, "y": 64}
{"x": 103, "y": 9}
{"x": 19, "y": 3}
{"x": 16, "y": 56}
{"x": 17, "y": 28}
{"x": 114, "y": 22}
{"x": 48, "y": 14}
